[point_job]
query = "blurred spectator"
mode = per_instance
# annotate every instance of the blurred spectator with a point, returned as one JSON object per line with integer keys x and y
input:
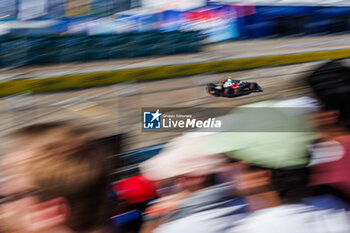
{"x": 331, "y": 155}
{"x": 293, "y": 214}
{"x": 275, "y": 163}
{"x": 202, "y": 205}
{"x": 55, "y": 180}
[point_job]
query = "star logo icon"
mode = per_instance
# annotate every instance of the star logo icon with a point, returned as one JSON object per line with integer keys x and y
{"x": 156, "y": 115}
{"x": 152, "y": 119}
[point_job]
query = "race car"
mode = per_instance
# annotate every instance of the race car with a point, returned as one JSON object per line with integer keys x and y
{"x": 232, "y": 88}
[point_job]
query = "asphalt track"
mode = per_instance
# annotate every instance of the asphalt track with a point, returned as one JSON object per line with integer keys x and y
{"x": 103, "y": 78}
{"x": 216, "y": 58}
{"x": 117, "y": 108}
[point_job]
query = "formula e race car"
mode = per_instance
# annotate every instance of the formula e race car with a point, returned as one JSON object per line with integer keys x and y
{"x": 232, "y": 88}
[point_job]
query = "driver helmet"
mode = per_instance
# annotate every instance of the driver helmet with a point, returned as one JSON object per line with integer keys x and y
{"x": 229, "y": 79}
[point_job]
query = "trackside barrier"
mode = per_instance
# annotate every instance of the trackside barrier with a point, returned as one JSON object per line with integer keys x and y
{"x": 79, "y": 81}
{"x": 37, "y": 50}
{"x": 128, "y": 161}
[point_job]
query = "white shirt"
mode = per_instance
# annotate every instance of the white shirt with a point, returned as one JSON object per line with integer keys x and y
{"x": 298, "y": 218}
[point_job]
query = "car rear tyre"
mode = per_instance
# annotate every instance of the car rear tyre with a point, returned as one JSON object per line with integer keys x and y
{"x": 229, "y": 91}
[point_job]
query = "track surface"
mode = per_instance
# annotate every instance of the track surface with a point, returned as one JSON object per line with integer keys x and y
{"x": 212, "y": 52}
{"x": 117, "y": 109}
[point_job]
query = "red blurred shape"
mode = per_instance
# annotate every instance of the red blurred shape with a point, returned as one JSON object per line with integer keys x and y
{"x": 135, "y": 189}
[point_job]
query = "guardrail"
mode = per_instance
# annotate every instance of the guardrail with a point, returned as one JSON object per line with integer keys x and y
{"x": 128, "y": 161}
{"x": 32, "y": 50}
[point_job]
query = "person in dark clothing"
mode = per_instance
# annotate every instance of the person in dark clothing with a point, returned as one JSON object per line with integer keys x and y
{"x": 330, "y": 168}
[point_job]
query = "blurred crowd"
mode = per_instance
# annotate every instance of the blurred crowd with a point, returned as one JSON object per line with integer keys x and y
{"x": 56, "y": 178}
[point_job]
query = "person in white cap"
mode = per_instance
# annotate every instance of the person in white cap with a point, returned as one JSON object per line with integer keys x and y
{"x": 207, "y": 207}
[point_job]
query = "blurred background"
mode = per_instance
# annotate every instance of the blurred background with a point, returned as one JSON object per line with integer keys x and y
{"x": 101, "y": 61}
{"x": 48, "y": 46}
{"x": 64, "y": 45}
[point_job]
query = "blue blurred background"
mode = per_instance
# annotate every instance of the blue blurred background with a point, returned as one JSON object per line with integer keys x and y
{"x": 72, "y": 29}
